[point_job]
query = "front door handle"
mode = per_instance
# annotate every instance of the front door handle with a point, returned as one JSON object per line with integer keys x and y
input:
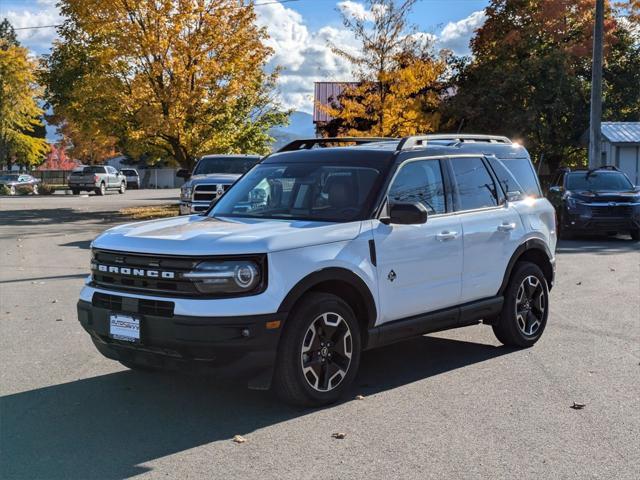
{"x": 506, "y": 227}
{"x": 446, "y": 235}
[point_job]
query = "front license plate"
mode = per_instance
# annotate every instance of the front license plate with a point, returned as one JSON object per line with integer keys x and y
{"x": 124, "y": 327}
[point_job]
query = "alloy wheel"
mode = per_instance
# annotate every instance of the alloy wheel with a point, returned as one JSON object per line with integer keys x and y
{"x": 530, "y": 305}
{"x": 327, "y": 348}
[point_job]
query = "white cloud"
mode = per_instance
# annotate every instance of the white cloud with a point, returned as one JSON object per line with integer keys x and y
{"x": 37, "y": 39}
{"x": 303, "y": 55}
{"x": 355, "y": 10}
{"x": 456, "y": 35}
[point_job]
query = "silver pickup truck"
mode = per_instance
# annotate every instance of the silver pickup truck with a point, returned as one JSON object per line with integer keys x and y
{"x": 211, "y": 177}
{"x": 97, "y": 178}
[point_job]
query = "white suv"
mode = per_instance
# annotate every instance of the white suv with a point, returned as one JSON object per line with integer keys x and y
{"x": 317, "y": 254}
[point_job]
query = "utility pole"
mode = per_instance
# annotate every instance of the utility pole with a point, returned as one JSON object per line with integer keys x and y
{"x": 595, "y": 145}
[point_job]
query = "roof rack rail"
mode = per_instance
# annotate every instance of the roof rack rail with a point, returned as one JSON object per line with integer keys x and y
{"x": 307, "y": 143}
{"x": 421, "y": 140}
{"x": 470, "y": 137}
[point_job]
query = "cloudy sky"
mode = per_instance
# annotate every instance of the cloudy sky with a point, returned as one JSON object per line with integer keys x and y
{"x": 299, "y": 29}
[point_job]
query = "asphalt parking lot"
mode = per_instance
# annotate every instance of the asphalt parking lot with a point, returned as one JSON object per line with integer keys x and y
{"x": 446, "y": 406}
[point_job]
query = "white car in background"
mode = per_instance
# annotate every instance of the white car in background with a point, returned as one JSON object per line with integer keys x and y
{"x": 132, "y": 176}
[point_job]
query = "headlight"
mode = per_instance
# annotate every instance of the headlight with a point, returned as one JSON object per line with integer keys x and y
{"x": 185, "y": 193}
{"x": 226, "y": 277}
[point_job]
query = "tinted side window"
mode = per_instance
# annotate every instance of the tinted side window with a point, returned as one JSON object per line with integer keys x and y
{"x": 520, "y": 170}
{"x": 474, "y": 185}
{"x": 420, "y": 181}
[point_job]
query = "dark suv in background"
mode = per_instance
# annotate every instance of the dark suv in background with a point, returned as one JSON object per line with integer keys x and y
{"x": 601, "y": 200}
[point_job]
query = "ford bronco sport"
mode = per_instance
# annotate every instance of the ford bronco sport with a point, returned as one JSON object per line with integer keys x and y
{"x": 317, "y": 254}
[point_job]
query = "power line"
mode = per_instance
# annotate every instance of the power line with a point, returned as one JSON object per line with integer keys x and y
{"x": 230, "y": 8}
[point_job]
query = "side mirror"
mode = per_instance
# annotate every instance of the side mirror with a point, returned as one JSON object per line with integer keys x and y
{"x": 405, "y": 214}
{"x": 556, "y": 189}
{"x": 183, "y": 173}
{"x": 514, "y": 196}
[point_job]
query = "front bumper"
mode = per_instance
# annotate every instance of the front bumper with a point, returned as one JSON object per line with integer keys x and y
{"x": 585, "y": 219}
{"x": 190, "y": 207}
{"x": 227, "y": 347}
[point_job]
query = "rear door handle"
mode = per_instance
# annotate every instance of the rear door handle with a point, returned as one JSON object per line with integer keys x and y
{"x": 506, "y": 227}
{"x": 446, "y": 235}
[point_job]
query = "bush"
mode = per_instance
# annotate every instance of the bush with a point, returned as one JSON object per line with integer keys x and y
{"x": 4, "y": 190}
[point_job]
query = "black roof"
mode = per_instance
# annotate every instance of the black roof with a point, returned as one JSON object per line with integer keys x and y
{"x": 388, "y": 150}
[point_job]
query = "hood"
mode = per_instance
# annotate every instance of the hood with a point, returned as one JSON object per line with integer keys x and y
{"x": 597, "y": 196}
{"x": 213, "y": 178}
{"x": 202, "y": 235}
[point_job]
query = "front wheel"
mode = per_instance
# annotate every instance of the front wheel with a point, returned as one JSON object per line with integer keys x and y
{"x": 526, "y": 307}
{"x": 319, "y": 351}
{"x": 101, "y": 190}
{"x": 12, "y": 190}
{"x": 35, "y": 190}
{"x": 122, "y": 188}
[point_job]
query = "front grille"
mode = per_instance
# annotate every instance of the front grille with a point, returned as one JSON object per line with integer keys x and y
{"x": 207, "y": 193}
{"x": 139, "y": 283}
{"x": 617, "y": 211}
{"x": 117, "y": 303}
{"x": 168, "y": 280}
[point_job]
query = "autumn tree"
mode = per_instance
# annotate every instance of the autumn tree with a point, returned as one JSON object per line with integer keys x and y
{"x": 397, "y": 88}
{"x": 530, "y": 76}
{"x": 20, "y": 114}
{"x": 176, "y": 79}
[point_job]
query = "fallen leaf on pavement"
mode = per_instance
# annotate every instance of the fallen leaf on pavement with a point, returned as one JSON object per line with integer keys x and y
{"x": 578, "y": 283}
{"x": 359, "y": 397}
{"x": 578, "y": 406}
{"x": 239, "y": 439}
{"x": 58, "y": 319}
{"x": 339, "y": 435}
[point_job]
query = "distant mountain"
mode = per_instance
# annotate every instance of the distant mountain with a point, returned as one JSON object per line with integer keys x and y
{"x": 300, "y": 126}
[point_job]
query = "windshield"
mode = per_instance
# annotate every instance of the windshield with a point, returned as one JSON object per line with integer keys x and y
{"x": 9, "y": 178}
{"x": 128, "y": 172}
{"x": 239, "y": 165}
{"x": 308, "y": 191}
{"x": 612, "y": 181}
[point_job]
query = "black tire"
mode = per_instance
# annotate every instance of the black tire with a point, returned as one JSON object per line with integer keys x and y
{"x": 12, "y": 190}
{"x": 290, "y": 381}
{"x": 122, "y": 189}
{"x": 101, "y": 190}
{"x": 523, "y": 319}
{"x": 35, "y": 190}
{"x": 75, "y": 191}
{"x": 635, "y": 234}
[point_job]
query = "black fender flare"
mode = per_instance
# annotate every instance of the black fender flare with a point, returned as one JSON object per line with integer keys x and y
{"x": 327, "y": 275}
{"x": 531, "y": 244}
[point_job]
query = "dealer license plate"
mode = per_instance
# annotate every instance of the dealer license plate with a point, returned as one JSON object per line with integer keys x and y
{"x": 124, "y": 327}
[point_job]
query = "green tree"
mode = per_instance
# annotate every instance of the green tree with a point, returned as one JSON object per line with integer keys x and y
{"x": 176, "y": 79}
{"x": 531, "y": 73}
{"x": 20, "y": 114}
{"x": 8, "y": 34}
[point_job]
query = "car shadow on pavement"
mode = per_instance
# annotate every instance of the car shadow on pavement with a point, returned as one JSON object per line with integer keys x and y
{"x": 600, "y": 245}
{"x": 108, "y": 426}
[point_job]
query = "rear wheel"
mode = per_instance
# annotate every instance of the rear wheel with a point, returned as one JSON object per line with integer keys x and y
{"x": 526, "y": 307}
{"x": 635, "y": 234}
{"x": 101, "y": 189}
{"x": 319, "y": 351}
